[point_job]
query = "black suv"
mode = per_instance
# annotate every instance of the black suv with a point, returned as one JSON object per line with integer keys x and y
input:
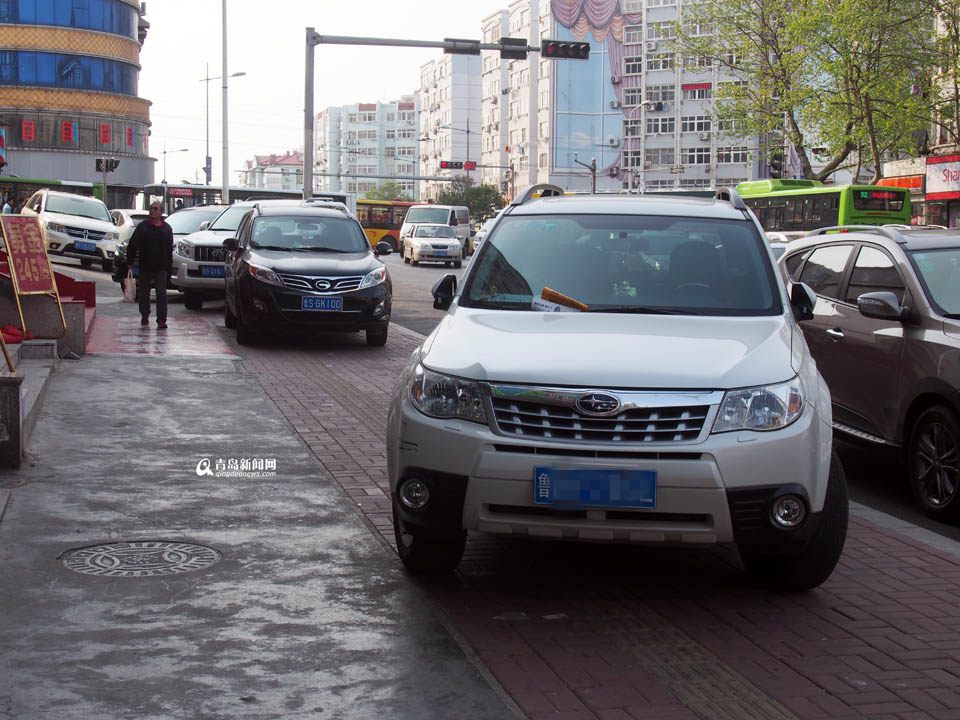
{"x": 885, "y": 333}
{"x": 308, "y": 267}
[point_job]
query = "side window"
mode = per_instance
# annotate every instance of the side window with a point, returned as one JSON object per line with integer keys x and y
{"x": 874, "y": 271}
{"x": 792, "y": 264}
{"x": 36, "y": 202}
{"x": 824, "y": 269}
{"x": 241, "y": 235}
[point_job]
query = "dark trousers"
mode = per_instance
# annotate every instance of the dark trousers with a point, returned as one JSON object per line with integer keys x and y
{"x": 157, "y": 278}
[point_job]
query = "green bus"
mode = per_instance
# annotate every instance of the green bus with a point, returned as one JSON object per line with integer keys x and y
{"x": 809, "y": 204}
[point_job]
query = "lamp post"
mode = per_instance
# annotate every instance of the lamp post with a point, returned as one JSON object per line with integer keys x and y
{"x": 167, "y": 152}
{"x": 467, "y": 132}
{"x": 642, "y": 106}
{"x": 208, "y": 166}
{"x": 592, "y": 167}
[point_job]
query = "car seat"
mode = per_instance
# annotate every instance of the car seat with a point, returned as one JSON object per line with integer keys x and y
{"x": 270, "y": 235}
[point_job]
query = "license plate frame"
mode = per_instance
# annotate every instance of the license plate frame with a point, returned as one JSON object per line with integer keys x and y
{"x": 211, "y": 271}
{"x": 84, "y": 246}
{"x": 600, "y": 487}
{"x": 312, "y": 303}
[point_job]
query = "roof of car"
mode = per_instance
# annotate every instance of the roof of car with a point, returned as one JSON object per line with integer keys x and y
{"x": 918, "y": 238}
{"x": 630, "y": 205}
{"x": 299, "y": 209}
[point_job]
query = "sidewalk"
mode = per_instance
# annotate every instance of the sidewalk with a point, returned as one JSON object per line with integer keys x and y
{"x": 317, "y": 612}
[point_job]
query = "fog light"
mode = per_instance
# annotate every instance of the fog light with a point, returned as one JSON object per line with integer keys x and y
{"x": 258, "y": 304}
{"x": 380, "y": 307}
{"x": 414, "y": 494}
{"x": 788, "y": 511}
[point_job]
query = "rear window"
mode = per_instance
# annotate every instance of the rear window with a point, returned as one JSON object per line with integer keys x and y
{"x": 626, "y": 263}
{"x": 428, "y": 215}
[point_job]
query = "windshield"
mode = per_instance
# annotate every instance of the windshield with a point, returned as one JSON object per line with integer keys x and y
{"x": 434, "y": 231}
{"x": 184, "y": 222}
{"x": 79, "y": 206}
{"x": 229, "y": 219}
{"x": 939, "y": 272}
{"x": 309, "y": 234}
{"x": 428, "y": 215}
{"x": 625, "y": 263}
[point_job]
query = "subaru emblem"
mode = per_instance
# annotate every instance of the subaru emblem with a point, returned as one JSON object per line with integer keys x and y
{"x": 598, "y": 403}
{"x": 322, "y": 284}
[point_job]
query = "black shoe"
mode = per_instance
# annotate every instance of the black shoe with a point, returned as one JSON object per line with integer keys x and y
{"x": 144, "y": 319}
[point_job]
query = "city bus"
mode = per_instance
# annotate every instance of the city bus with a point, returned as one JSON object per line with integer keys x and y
{"x": 809, "y": 204}
{"x": 382, "y": 219}
{"x": 185, "y": 195}
{"x": 18, "y": 189}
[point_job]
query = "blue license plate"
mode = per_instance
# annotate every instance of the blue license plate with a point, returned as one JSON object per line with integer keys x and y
{"x": 328, "y": 304}
{"x": 211, "y": 271}
{"x": 85, "y": 246}
{"x": 594, "y": 487}
{"x": 440, "y": 253}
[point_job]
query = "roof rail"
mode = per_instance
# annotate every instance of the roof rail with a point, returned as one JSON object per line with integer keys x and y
{"x": 731, "y": 196}
{"x": 540, "y": 190}
{"x": 887, "y": 232}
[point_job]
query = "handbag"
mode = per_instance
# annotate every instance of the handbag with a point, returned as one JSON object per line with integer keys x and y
{"x": 130, "y": 288}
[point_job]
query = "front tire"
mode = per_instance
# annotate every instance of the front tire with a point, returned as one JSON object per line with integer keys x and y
{"x": 813, "y": 565}
{"x": 428, "y": 556}
{"x": 85, "y": 263}
{"x": 192, "y": 300}
{"x": 933, "y": 465}
{"x": 377, "y": 337}
{"x": 229, "y": 319}
{"x": 107, "y": 266}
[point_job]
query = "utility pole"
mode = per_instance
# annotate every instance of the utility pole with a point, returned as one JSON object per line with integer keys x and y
{"x": 225, "y": 191}
{"x": 592, "y": 167}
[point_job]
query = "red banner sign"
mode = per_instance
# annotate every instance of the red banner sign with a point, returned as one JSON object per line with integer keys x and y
{"x": 129, "y": 137}
{"x": 28, "y": 131}
{"x": 29, "y": 264}
{"x": 696, "y": 86}
{"x": 68, "y": 132}
{"x": 104, "y": 133}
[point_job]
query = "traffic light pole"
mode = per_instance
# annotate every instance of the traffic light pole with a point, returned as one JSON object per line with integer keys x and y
{"x": 510, "y": 48}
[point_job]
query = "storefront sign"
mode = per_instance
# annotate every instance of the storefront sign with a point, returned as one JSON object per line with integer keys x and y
{"x": 29, "y": 264}
{"x": 943, "y": 177}
{"x": 911, "y": 182}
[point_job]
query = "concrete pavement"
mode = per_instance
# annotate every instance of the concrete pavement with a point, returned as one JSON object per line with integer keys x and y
{"x": 308, "y": 608}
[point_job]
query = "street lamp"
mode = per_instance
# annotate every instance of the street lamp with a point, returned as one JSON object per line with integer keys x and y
{"x": 466, "y": 131}
{"x": 167, "y": 152}
{"x": 642, "y": 134}
{"x": 208, "y": 167}
{"x": 592, "y": 167}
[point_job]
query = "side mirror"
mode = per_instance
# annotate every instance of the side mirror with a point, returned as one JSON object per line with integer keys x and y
{"x": 882, "y": 306}
{"x": 443, "y": 292}
{"x": 802, "y": 300}
{"x": 383, "y": 248}
{"x": 204, "y": 225}
{"x": 230, "y": 244}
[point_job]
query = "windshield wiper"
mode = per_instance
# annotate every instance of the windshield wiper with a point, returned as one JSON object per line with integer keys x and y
{"x": 952, "y": 316}
{"x": 257, "y": 246}
{"x": 639, "y": 310}
{"x": 321, "y": 249}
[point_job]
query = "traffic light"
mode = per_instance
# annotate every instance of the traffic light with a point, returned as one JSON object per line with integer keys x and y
{"x": 565, "y": 50}
{"x": 451, "y": 165}
{"x": 469, "y": 165}
{"x": 100, "y": 162}
{"x": 107, "y": 164}
{"x": 776, "y": 164}
{"x": 113, "y": 163}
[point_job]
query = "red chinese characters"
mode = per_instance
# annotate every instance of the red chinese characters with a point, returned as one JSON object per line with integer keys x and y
{"x": 28, "y": 254}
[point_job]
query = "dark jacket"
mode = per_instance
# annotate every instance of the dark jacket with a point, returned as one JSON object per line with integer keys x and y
{"x": 152, "y": 246}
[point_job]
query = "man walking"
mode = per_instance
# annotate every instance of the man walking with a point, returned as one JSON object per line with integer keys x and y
{"x": 151, "y": 245}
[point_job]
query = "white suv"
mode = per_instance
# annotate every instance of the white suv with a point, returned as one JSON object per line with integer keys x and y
{"x": 620, "y": 369}
{"x": 75, "y": 226}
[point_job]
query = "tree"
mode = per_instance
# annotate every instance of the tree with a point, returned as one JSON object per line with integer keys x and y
{"x": 389, "y": 190}
{"x": 482, "y": 200}
{"x": 943, "y": 84}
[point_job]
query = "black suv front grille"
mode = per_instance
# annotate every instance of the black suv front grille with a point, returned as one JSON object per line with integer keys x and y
{"x": 321, "y": 284}
{"x": 209, "y": 254}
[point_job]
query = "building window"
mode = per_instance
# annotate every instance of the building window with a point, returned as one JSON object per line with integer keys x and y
{"x": 695, "y": 156}
{"x": 632, "y": 160}
{"x": 47, "y": 69}
{"x": 732, "y": 154}
{"x": 108, "y": 16}
{"x": 661, "y": 125}
{"x": 695, "y": 123}
{"x": 661, "y": 31}
{"x": 700, "y": 93}
{"x": 633, "y": 34}
{"x": 694, "y": 184}
{"x": 632, "y": 7}
{"x": 658, "y": 184}
{"x": 658, "y": 156}
{"x": 633, "y": 65}
{"x": 632, "y": 128}
{"x": 734, "y": 126}
{"x": 632, "y": 96}
{"x": 695, "y": 28}
{"x": 660, "y": 61}
{"x": 661, "y": 93}
{"x": 697, "y": 62}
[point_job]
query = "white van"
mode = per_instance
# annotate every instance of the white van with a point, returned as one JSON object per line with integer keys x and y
{"x": 456, "y": 216}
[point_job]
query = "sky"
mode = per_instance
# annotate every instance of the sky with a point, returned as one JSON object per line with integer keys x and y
{"x": 266, "y": 40}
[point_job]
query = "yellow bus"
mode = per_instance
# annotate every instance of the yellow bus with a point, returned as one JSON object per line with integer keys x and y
{"x": 382, "y": 219}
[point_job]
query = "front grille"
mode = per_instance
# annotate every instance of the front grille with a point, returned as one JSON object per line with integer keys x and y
{"x": 635, "y": 425}
{"x": 642, "y": 516}
{"x": 82, "y": 234}
{"x": 209, "y": 254}
{"x": 586, "y": 453}
{"x": 321, "y": 284}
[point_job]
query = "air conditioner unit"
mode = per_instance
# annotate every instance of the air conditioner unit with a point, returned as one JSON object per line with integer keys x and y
{"x": 493, "y": 99}
{"x": 707, "y": 169}
{"x": 614, "y": 79}
{"x": 651, "y": 44}
{"x": 648, "y": 164}
{"x": 614, "y": 104}
{"x": 704, "y": 136}
{"x": 613, "y": 141}
{"x": 613, "y": 171}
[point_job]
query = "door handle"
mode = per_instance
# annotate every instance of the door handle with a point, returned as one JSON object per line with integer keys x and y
{"x": 835, "y": 333}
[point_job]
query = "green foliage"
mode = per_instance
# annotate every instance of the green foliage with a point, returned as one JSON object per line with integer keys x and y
{"x": 389, "y": 190}
{"x": 482, "y": 200}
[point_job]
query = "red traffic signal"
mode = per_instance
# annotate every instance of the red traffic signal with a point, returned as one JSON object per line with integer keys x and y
{"x": 469, "y": 165}
{"x": 451, "y": 165}
{"x": 564, "y": 49}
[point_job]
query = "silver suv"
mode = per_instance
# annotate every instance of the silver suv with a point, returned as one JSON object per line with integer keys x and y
{"x": 619, "y": 369}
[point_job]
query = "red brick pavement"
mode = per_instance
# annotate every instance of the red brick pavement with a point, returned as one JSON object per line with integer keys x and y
{"x": 619, "y": 633}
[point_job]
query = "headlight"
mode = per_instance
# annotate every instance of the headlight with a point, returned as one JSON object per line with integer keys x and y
{"x": 184, "y": 249}
{"x": 56, "y": 227}
{"x": 111, "y": 236}
{"x": 374, "y": 277}
{"x": 760, "y": 408}
{"x": 265, "y": 275}
{"x": 443, "y": 396}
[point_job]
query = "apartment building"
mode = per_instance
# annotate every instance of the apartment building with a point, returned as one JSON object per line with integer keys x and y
{"x": 358, "y": 147}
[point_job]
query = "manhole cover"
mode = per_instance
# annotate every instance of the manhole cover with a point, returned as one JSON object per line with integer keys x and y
{"x": 143, "y": 558}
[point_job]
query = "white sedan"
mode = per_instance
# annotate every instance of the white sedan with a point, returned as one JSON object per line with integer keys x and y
{"x": 433, "y": 243}
{"x": 126, "y": 220}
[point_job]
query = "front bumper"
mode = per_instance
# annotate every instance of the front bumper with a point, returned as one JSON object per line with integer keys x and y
{"x": 198, "y": 275}
{"x": 64, "y": 245}
{"x": 699, "y": 485}
{"x": 267, "y": 307}
{"x": 427, "y": 253}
